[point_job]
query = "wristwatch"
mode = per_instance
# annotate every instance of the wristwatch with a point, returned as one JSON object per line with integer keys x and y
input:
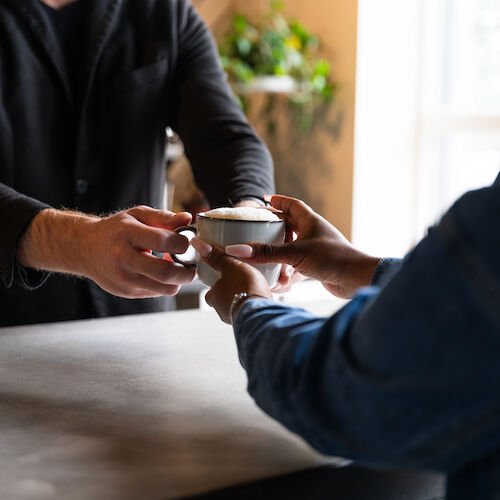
{"x": 237, "y": 298}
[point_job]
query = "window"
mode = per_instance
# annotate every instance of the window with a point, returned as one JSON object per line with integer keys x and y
{"x": 437, "y": 133}
{"x": 460, "y": 107}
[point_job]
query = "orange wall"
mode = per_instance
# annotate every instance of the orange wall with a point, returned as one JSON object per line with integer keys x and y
{"x": 321, "y": 169}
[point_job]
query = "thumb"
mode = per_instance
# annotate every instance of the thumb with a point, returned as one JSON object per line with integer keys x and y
{"x": 263, "y": 253}
{"x": 216, "y": 257}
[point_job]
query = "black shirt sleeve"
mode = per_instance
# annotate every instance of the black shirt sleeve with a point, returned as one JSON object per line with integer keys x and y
{"x": 16, "y": 213}
{"x": 229, "y": 161}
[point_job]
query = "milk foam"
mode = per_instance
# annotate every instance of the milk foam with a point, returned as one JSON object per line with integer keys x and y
{"x": 242, "y": 213}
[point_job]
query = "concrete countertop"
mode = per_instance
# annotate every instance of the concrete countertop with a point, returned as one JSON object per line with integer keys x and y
{"x": 135, "y": 407}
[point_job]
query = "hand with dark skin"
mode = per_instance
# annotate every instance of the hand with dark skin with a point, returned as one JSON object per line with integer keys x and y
{"x": 237, "y": 276}
{"x": 320, "y": 250}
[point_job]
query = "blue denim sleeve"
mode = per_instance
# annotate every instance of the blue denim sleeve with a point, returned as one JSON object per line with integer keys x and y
{"x": 402, "y": 375}
{"x": 386, "y": 268}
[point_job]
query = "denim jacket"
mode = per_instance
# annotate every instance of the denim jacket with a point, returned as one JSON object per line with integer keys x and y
{"x": 406, "y": 373}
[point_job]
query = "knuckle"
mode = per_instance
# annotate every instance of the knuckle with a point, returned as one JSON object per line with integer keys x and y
{"x": 166, "y": 274}
{"x": 267, "y": 251}
{"x": 121, "y": 231}
{"x": 122, "y": 217}
{"x": 175, "y": 242}
{"x": 303, "y": 206}
{"x": 219, "y": 260}
{"x": 171, "y": 275}
{"x": 157, "y": 240}
{"x": 136, "y": 209}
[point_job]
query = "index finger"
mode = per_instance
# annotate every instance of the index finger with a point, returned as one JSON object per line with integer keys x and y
{"x": 219, "y": 260}
{"x": 158, "y": 240}
{"x": 160, "y": 218}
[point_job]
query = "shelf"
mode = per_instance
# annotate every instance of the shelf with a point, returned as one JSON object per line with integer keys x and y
{"x": 267, "y": 85}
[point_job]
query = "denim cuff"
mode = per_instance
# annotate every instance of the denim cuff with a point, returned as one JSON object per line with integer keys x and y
{"x": 385, "y": 269}
{"x": 247, "y": 307}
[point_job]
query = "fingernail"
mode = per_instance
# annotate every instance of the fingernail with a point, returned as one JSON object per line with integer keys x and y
{"x": 202, "y": 247}
{"x": 244, "y": 251}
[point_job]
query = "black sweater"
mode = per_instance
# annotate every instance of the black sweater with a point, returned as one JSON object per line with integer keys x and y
{"x": 147, "y": 64}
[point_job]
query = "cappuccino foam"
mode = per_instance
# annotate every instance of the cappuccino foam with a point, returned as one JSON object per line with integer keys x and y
{"x": 242, "y": 213}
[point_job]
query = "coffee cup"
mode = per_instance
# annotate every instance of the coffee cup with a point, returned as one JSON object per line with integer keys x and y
{"x": 231, "y": 226}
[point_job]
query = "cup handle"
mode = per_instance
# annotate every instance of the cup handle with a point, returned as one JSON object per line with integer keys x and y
{"x": 185, "y": 263}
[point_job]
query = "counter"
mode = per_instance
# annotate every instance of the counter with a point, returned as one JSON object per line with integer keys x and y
{"x": 136, "y": 407}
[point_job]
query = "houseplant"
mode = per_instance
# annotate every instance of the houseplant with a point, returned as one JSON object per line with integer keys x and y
{"x": 276, "y": 54}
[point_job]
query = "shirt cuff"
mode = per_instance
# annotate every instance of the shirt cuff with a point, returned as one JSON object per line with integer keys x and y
{"x": 30, "y": 279}
{"x": 386, "y": 268}
{"x": 260, "y": 200}
{"x": 247, "y": 307}
{"x": 18, "y": 217}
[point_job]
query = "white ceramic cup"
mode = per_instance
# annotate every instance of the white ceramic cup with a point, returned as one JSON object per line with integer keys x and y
{"x": 223, "y": 232}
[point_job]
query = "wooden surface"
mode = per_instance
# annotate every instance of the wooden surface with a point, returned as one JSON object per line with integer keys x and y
{"x": 138, "y": 407}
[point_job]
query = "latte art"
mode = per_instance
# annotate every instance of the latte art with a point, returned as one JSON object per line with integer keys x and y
{"x": 242, "y": 213}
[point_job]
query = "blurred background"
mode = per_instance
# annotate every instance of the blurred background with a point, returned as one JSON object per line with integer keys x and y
{"x": 378, "y": 114}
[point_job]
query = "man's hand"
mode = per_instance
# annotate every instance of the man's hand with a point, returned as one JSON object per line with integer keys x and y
{"x": 320, "y": 250}
{"x": 236, "y": 277}
{"x": 113, "y": 251}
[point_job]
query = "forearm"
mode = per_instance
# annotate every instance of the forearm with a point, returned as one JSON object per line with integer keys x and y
{"x": 302, "y": 372}
{"x": 290, "y": 357}
{"x": 402, "y": 378}
{"x": 356, "y": 271}
{"x": 57, "y": 240}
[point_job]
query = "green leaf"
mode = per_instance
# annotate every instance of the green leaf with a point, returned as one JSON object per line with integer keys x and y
{"x": 242, "y": 71}
{"x": 240, "y": 23}
{"x": 322, "y": 67}
{"x": 318, "y": 83}
{"x": 275, "y": 45}
{"x": 305, "y": 36}
{"x": 244, "y": 46}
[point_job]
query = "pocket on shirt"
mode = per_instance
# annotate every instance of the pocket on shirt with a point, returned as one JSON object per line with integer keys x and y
{"x": 132, "y": 119}
{"x": 140, "y": 77}
{"x": 133, "y": 105}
